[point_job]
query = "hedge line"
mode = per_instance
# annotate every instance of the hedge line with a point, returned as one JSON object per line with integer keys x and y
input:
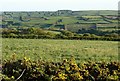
{"x": 68, "y": 70}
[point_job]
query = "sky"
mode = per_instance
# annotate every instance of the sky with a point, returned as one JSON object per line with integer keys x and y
{"x": 54, "y": 5}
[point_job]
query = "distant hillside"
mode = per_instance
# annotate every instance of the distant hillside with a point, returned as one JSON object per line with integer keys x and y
{"x": 105, "y": 20}
{"x": 61, "y": 13}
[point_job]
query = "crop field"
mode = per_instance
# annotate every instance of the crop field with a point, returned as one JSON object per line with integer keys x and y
{"x": 57, "y": 50}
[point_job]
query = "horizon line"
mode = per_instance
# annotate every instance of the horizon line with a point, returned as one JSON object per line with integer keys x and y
{"x": 52, "y": 10}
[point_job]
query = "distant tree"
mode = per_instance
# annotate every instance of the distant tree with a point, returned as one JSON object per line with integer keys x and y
{"x": 60, "y": 20}
{"x": 12, "y": 35}
{"x": 20, "y": 18}
{"x": 9, "y": 22}
{"x": 87, "y": 34}
{"x": 59, "y": 36}
{"x": 67, "y": 33}
{"x": 114, "y": 35}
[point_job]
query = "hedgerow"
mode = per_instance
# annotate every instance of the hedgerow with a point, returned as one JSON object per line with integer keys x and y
{"x": 67, "y": 70}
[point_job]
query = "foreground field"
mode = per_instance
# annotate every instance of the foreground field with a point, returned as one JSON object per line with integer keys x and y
{"x": 57, "y": 50}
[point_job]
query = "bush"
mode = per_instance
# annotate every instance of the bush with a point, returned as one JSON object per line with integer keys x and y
{"x": 67, "y": 70}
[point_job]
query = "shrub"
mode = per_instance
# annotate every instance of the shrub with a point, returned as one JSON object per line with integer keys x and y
{"x": 68, "y": 70}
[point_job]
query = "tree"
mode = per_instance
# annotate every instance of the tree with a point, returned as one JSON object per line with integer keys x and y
{"x": 60, "y": 20}
{"x": 21, "y": 19}
{"x": 67, "y": 33}
{"x": 87, "y": 34}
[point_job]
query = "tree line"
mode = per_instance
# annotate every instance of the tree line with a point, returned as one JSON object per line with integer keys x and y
{"x": 38, "y": 33}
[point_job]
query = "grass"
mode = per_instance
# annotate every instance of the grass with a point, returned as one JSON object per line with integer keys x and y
{"x": 57, "y": 50}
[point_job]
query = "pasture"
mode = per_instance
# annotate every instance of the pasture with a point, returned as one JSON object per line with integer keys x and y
{"x": 57, "y": 50}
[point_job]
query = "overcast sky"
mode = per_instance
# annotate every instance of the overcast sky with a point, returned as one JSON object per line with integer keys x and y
{"x": 54, "y": 5}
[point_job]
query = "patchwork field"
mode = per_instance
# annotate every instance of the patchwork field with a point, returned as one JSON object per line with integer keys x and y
{"x": 57, "y": 50}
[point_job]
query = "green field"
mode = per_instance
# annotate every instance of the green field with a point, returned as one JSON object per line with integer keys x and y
{"x": 57, "y": 50}
{"x": 71, "y": 20}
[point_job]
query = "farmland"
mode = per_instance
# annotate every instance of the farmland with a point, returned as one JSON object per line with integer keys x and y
{"x": 57, "y": 50}
{"x": 68, "y": 18}
{"x": 61, "y": 45}
{"x": 61, "y": 24}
